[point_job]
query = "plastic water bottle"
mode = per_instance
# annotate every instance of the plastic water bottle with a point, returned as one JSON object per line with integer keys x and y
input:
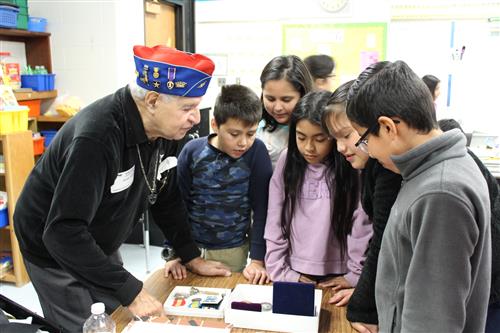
{"x": 99, "y": 321}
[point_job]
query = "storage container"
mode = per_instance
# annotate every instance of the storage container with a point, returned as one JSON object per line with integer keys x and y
{"x": 37, "y": 24}
{"x": 8, "y": 16}
{"x": 38, "y": 82}
{"x": 38, "y": 145}
{"x": 33, "y": 105}
{"x": 22, "y": 21}
{"x": 4, "y": 216}
{"x": 48, "y": 135}
{"x": 14, "y": 120}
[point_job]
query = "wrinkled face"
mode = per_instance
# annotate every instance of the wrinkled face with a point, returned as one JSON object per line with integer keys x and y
{"x": 234, "y": 137}
{"x": 175, "y": 116}
{"x": 312, "y": 142}
{"x": 379, "y": 147}
{"x": 279, "y": 98}
{"x": 341, "y": 129}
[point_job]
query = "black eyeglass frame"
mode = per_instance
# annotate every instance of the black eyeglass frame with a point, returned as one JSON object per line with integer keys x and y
{"x": 369, "y": 130}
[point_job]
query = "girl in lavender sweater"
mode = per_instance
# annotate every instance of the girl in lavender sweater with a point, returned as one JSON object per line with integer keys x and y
{"x": 316, "y": 230}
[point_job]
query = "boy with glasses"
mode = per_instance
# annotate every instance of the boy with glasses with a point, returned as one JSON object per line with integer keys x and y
{"x": 436, "y": 249}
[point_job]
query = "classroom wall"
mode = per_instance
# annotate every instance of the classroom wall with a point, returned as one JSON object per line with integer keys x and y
{"x": 249, "y": 35}
{"x": 91, "y": 43}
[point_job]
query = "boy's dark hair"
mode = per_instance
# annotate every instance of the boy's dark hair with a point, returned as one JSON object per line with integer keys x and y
{"x": 341, "y": 178}
{"x": 320, "y": 66}
{"x": 290, "y": 68}
{"x": 391, "y": 90}
{"x": 238, "y": 102}
{"x": 431, "y": 82}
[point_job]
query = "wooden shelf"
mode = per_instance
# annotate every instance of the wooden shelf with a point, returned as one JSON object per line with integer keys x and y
{"x": 17, "y": 150}
{"x": 25, "y": 96}
{"x": 52, "y": 119}
{"x": 23, "y": 33}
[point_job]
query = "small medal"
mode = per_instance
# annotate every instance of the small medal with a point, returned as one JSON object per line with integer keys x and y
{"x": 152, "y": 198}
{"x": 170, "y": 77}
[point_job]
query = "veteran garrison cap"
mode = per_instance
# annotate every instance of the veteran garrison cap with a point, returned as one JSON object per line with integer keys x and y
{"x": 170, "y": 71}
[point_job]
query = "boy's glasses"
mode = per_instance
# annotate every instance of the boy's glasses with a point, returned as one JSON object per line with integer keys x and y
{"x": 362, "y": 143}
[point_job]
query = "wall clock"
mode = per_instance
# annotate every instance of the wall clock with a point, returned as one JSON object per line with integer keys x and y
{"x": 333, "y": 6}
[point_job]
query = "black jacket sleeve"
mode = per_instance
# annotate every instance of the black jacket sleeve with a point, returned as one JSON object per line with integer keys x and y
{"x": 494, "y": 193}
{"x": 380, "y": 189}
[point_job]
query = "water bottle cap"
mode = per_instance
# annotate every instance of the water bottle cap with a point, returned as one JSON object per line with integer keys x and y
{"x": 97, "y": 308}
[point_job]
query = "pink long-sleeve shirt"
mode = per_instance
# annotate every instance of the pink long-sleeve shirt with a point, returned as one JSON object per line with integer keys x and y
{"x": 313, "y": 248}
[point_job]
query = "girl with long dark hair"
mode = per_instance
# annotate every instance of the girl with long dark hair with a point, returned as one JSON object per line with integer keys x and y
{"x": 284, "y": 80}
{"x": 316, "y": 229}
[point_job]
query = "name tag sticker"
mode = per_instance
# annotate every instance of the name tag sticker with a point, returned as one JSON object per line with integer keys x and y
{"x": 167, "y": 164}
{"x": 123, "y": 180}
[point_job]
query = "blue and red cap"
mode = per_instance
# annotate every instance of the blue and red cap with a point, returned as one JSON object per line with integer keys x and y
{"x": 170, "y": 71}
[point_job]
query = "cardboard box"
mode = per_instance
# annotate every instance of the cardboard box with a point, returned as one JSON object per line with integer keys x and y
{"x": 267, "y": 320}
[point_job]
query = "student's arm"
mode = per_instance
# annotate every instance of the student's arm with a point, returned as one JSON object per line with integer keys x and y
{"x": 444, "y": 235}
{"x": 260, "y": 174}
{"x": 184, "y": 178}
{"x": 170, "y": 214}
{"x": 362, "y": 307}
{"x": 357, "y": 244}
{"x": 277, "y": 246}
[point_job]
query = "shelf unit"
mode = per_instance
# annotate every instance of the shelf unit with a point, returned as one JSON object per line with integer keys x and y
{"x": 17, "y": 149}
{"x": 37, "y": 45}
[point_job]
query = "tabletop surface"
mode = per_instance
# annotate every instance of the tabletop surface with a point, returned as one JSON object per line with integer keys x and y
{"x": 332, "y": 318}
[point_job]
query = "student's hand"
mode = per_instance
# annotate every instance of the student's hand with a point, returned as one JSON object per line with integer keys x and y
{"x": 341, "y": 297}
{"x": 365, "y": 328}
{"x": 145, "y": 305}
{"x": 305, "y": 279}
{"x": 337, "y": 283}
{"x": 256, "y": 273}
{"x": 208, "y": 267}
{"x": 177, "y": 269}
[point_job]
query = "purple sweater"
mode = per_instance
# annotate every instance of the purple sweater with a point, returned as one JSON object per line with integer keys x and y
{"x": 313, "y": 248}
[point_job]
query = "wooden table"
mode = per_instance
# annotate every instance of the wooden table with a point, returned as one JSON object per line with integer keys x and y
{"x": 332, "y": 318}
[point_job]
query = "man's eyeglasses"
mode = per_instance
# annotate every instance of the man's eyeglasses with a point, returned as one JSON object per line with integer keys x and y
{"x": 362, "y": 143}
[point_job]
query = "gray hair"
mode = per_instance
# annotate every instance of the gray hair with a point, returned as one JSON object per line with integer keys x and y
{"x": 140, "y": 92}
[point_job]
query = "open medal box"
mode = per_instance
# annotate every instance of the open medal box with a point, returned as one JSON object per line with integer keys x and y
{"x": 266, "y": 319}
{"x": 197, "y": 302}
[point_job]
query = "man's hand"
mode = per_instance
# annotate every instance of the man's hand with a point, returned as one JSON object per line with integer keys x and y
{"x": 145, "y": 305}
{"x": 365, "y": 328}
{"x": 256, "y": 273}
{"x": 336, "y": 283}
{"x": 341, "y": 297}
{"x": 208, "y": 267}
{"x": 177, "y": 269}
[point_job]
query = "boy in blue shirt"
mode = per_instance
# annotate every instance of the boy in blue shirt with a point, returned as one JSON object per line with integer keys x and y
{"x": 224, "y": 180}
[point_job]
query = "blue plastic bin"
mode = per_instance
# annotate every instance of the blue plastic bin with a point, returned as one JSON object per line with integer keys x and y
{"x": 37, "y": 24}
{"x": 48, "y": 135}
{"x": 4, "y": 217}
{"x": 36, "y": 82}
{"x": 8, "y": 16}
{"x": 50, "y": 81}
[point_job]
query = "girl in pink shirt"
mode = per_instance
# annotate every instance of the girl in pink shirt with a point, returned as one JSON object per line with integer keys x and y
{"x": 316, "y": 229}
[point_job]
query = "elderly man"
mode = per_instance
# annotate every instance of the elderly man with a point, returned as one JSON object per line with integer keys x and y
{"x": 106, "y": 166}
